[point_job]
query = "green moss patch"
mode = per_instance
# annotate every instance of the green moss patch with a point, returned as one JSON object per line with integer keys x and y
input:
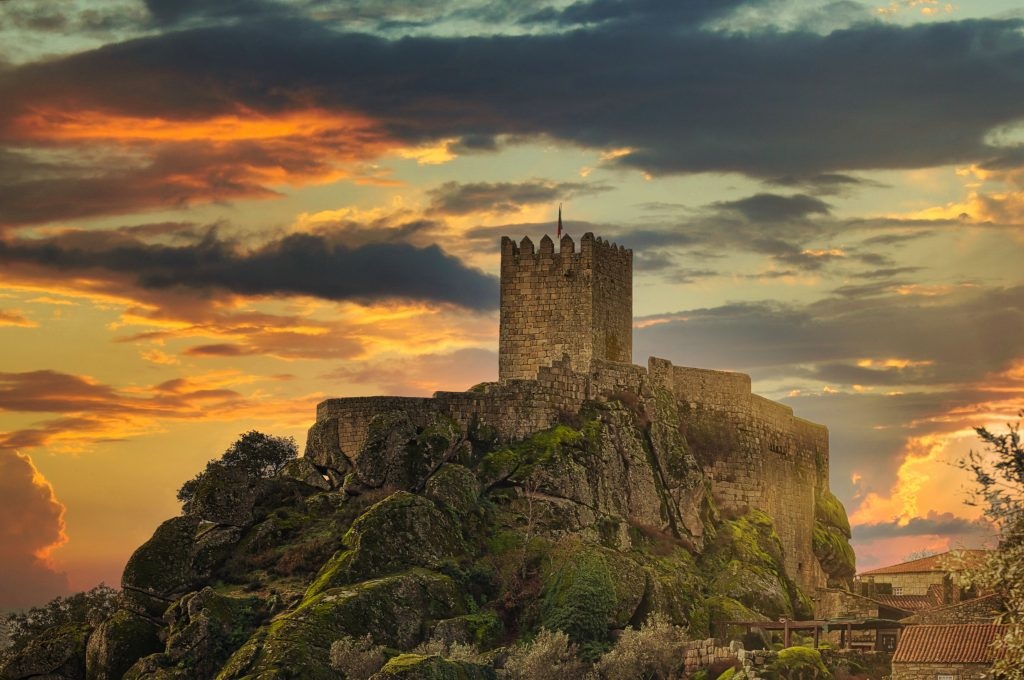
{"x": 417, "y": 667}
{"x": 400, "y": 531}
{"x": 579, "y": 596}
{"x": 392, "y": 610}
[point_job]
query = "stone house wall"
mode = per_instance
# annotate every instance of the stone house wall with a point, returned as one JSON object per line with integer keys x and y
{"x": 936, "y": 671}
{"x": 916, "y": 583}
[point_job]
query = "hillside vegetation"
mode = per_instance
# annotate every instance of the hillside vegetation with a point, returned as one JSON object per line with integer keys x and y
{"x": 434, "y": 553}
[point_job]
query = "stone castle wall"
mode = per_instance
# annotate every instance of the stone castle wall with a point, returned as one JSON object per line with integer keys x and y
{"x": 755, "y": 451}
{"x": 564, "y": 303}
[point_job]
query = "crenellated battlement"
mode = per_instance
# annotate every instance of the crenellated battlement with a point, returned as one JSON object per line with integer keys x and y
{"x": 592, "y": 249}
{"x": 569, "y": 302}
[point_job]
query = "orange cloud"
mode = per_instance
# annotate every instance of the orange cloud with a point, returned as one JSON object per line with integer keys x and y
{"x": 245, "y": 125}
{"x": 31, "y": 528}
{"x": 90, "y": 411}
{"x": 15, "y": 318}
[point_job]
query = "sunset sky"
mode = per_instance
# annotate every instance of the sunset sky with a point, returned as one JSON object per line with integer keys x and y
{"x": 215, "y": 214}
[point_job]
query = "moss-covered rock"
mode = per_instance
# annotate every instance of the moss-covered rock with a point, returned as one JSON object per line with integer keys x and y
{"x": 417, "y": 667}
{"x": 225, "y": 495}
{"x": 831, "y": 541}
{"x": 58, "y": 653}
{"x": 206, "y": 627}
{"x": 118, "y": 643}
{"x": 304, "y": 471}
{"x": 393, "y": 610}
{"x": 675, "y": 588}
{"x": 829, "y": 511}
{"x": 161, "y": 569}
{"x": 756, "y": 587}
{"x": 454, "y": 486}
{"x": 401, "y": 531}
{"x": 745, "y": 563}
{"x": 483, "y": 630}
{"x": 579, "y": 595}
{"x": 401, "y": 454}
{"x": 722, "y": 609}
{"x": 799, "y": 663}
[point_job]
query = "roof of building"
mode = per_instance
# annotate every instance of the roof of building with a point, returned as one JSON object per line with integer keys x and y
{"x": 992, "y": 603}
{"x": 952, "y": 643}
{"x": 924, "y": 564}
{"x": 908, "y": 603}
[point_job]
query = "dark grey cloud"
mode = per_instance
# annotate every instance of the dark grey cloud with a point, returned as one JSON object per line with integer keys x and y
{"x": 896, "y": 239}
{"x": 776, "y": 208}
{"x": 886, "y": 272}
{"x": 463, "y": 198}
{"x": 827, "y": 183}
{"x": 652, "y": 261}
{"x": 319, "y": 264}
{"x": 954, "y": 333}
{"x": 767, "y": 104}
{"x": 590, "y": 12}
{"x": 684, "y": 275}
{"x": 934, "y": 524}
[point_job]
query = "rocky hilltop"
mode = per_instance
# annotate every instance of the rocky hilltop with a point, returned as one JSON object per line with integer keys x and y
{"x": 436, "y": 529}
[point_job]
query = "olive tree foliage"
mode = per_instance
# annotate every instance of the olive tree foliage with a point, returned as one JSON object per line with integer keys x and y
{"x": 999, "y": 473}
{"x": 92, "y": 606}
{"x": 258, "y": 455}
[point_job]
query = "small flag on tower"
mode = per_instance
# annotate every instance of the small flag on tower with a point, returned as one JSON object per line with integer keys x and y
{"x": 559, "y": 220}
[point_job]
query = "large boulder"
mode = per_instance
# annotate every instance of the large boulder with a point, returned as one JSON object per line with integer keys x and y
{"x": 118, "y": 643}
{"x": 418, "y": 667}
{"x": 205, "y": 628}
{"x": 675, "y": 588}
{"x": 393, "y": 610}
{"x": 402, "y": 453}
{"x": 305, "y": 471}
{"x": 225, "y": 495}
{"x": 831, "y": 541}
{"x": 455, "y": 487}
{"x": 403, "y": 530}
{"x": 56, "y": 654}
{"x": 160, "y": 571}
{"x": 745, "y": 564}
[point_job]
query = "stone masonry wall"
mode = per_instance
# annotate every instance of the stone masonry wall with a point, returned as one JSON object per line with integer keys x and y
{"x": 932, "y": 671}
{"x": 756, "y": 452}
{"x": 915, "y": 583}
{"x": 564, "y": 303}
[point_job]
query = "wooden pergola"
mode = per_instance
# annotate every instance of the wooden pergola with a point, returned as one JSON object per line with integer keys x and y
{"x": 845, "y": 627}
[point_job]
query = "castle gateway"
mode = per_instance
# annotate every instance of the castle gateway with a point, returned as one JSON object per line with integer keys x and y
{"x": 566, "y": 338}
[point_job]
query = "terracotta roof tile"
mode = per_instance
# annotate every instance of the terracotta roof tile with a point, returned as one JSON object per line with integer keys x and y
{"x": 992, "y": 603}
{"x": 954, "y": 643}
{"x": 923, "y": 565}
{"x": 908, "y": 603}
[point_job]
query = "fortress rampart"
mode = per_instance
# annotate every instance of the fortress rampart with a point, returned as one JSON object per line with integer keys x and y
{"x": 565, "y": 339}
{"x": 755, "y": 451}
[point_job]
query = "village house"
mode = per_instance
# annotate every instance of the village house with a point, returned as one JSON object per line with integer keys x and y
{"x": 916, "y": 585}
{"x": 946, "y": 652}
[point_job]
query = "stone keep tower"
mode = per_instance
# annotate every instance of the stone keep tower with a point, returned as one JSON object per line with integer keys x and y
{"x": 579, "y": 304}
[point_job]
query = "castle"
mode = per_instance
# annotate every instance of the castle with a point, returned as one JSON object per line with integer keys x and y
{"x": 566, "y": 337}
